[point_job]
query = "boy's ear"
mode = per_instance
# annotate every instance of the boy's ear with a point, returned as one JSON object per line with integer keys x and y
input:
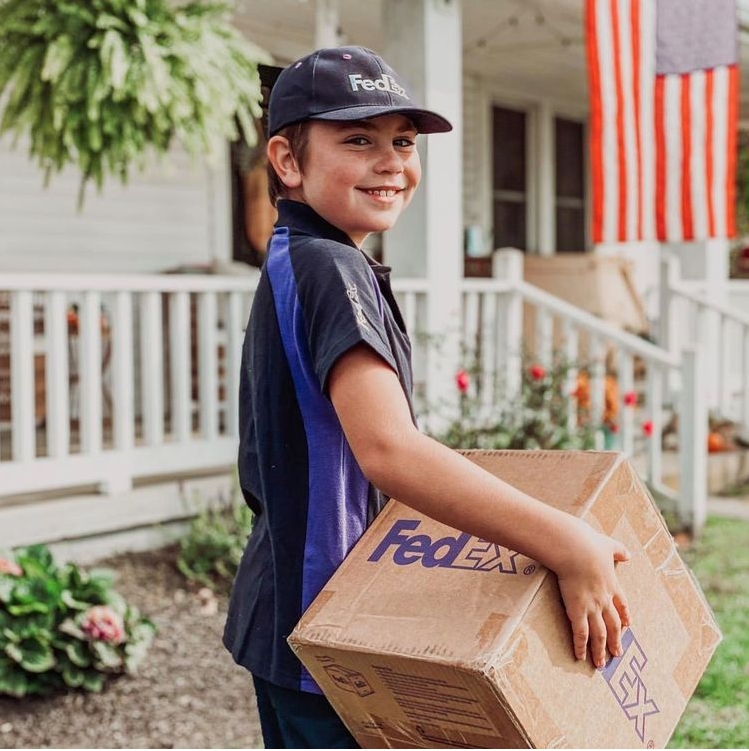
{"x": 283, "y": 162}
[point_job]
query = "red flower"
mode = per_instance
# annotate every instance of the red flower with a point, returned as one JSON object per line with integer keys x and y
{"x": 614, "y": 427}
{"x": 462, "y": 381}
{"x": 630, "y": 398}
{"x": 104, "y": 624}
{"x": 537, "y": 372}
{"x": 10, "y": 567}
{"x": 647, "y": 427}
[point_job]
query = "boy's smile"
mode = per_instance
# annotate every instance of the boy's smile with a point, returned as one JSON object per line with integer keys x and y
{"x": 359, "y": 175}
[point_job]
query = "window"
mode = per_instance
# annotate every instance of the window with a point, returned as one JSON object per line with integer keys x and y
{"x": 570, "y": 185}
{"x": 509, "y": 178}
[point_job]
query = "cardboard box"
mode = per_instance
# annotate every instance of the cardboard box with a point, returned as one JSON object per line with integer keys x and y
{"x": 426, "y": 637}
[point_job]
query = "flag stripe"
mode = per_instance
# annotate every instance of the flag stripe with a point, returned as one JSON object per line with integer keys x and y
{"x": 660, "y": 157}
{"x": 647, "y": 123}
{"x": 596, "y": 144}
{"x": 620, "y": 148}
{"x": 672, "y": 127}
{"x": 635, "y": 34}
{"x": 720, "y": 152}
{"x": 733, "y": 117}
{"x": 609, "y": 151}
{"x": 631, "y": 196}
{"x": 709, "y": 152}
{"x": 698, "y": 170}
{"x": 686, "y": 157}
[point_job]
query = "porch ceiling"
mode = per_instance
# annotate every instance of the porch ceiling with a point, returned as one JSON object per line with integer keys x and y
{"x": 534, "y": 48}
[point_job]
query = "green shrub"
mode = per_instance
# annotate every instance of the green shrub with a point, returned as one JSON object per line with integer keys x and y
{"x": 62, "y": 627}
{"x": 211, "y": 550}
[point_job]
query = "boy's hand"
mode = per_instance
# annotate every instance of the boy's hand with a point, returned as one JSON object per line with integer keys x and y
{"x": 593, "y": 598}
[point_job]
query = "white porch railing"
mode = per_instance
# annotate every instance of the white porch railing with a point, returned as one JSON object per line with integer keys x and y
{"x": 111, "y": 379}
{"x": 108, "y": 379}
{"x": 687, "y": 314}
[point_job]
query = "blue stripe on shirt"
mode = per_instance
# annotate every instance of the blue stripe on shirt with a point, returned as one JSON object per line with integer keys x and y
{"x": 338, "y": 490}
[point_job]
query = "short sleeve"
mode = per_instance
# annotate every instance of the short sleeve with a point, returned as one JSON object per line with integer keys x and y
{"x": 341, "y": 305}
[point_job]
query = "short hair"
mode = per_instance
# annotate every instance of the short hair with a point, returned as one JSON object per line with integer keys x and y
{"x": 297, "y": 135}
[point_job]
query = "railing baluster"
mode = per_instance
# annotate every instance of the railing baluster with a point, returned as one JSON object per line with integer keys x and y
{"x": 410, "y": 312}
{"x": 745, "y": 378}
{"x": 725, "y": 383}
{"x": 122, "y": 371}
{"x": 208, "y": 364}
{"x": 89, "y": 373}
{"x": 57, "y": 376}
{"x": 488, "y": 349}
{"x": 544, "y": 336}
{"x": 179, "y": 365}
{"x": 471, "y": 309}
{"x": 152, "y": 368}
{"x": 234, "y": 337}
{"x": 597, "y": 385}
{"x": 22, "y": 376}
{"x": 569, "y": 334}
{"x": 626, "y": 386}
{"x": 655, "y": 415}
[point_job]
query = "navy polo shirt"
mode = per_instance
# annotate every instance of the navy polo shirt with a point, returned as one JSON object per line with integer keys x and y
{"x": 318, "y": 296}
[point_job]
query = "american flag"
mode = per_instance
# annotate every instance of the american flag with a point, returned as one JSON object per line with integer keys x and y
{"x": 664, "y": 94}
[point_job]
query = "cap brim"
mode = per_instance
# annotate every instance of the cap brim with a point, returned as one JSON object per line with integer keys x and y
{"x": 424, "y": 120}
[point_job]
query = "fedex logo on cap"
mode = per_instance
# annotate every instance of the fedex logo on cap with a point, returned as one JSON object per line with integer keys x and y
{"x": 459, "y": 551}
{"x": 384, "y": 83}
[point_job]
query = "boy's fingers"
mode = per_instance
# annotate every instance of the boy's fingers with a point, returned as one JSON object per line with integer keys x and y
{"x": 613, "y": 630}
{"x": 580, "y": 638}
{"x": 620, "y": 552}
{"x": 620, "y": 603}
{"x": 597, "y": 628}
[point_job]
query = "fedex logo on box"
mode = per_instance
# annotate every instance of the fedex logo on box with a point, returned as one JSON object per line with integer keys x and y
{"x": 460, "y": 551}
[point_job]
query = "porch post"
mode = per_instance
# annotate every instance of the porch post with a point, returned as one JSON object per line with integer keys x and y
{"x": 423, "y": 44}
{"x": 326, "y": 24}
{"x": 545, "y": 203}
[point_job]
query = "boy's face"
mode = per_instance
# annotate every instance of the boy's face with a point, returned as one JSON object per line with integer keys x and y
{"x": 360, "y": 175}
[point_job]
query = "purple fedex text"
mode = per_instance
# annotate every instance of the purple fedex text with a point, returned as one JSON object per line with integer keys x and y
{"x": 460, "y": 551}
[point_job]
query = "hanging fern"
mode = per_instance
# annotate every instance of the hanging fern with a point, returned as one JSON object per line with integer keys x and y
{"x": 100, "y": 84}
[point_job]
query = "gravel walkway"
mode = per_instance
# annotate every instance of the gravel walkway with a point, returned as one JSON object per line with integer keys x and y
{"x": 188, "y": 693}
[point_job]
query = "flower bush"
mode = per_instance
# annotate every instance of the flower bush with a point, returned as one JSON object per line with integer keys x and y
{"x": 536, "y": 420}
{"x": 62, "y": 627}
{"x": 212, "y": 549}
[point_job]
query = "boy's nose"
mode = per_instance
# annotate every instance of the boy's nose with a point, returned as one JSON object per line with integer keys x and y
{"x": 389, "y": 161}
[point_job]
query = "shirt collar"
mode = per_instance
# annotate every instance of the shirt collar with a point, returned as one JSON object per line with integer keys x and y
{"x": 302, "y": 218}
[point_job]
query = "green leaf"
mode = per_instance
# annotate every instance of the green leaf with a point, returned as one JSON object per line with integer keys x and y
{"x": 68, "y": 599}
{"x": 73, "y": 676}
{"x": 13, "y": 682}
{"x": 69, "y": 626}
{"x": 78, "y": 653}
{"x": 33, "y": 655}
{"x": 107, "y": 654}
{"x": 93, "y": 682}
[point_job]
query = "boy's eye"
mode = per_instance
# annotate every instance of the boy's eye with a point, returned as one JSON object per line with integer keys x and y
{"x": 358, "y": 140}
{"x": 404, "y": 143}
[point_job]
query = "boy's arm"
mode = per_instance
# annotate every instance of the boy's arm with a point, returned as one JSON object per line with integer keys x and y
{"x": 439, "y": 482}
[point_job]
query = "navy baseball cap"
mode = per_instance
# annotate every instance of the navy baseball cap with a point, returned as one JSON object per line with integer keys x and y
{"x": 344, "y": 83}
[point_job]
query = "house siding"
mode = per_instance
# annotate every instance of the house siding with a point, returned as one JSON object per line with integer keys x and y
{"x": 165, "y": 217}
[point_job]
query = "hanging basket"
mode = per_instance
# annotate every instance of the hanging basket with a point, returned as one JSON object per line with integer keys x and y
{"x": 102, "y": 85}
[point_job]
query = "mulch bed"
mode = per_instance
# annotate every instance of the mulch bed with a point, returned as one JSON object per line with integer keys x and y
{"x": 187, "y": 694}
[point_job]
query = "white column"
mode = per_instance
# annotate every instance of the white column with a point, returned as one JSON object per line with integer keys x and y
{"x": 545, "y": 203}
{"x": 326, "y": 24}
{"x": 423, "y": 44}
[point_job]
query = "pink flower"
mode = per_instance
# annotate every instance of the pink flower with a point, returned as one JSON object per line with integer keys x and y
{"x": 647, "y": 427}
{"x": 462, "y": 381}
{"x": 537, "y": 372}
{"x": 10, "y": 567}
{"x": 630, "y": 398}
{"x": 104, "y": 624}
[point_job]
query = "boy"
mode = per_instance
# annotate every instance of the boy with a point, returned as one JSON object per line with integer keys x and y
{"x": 327, "y": 429}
